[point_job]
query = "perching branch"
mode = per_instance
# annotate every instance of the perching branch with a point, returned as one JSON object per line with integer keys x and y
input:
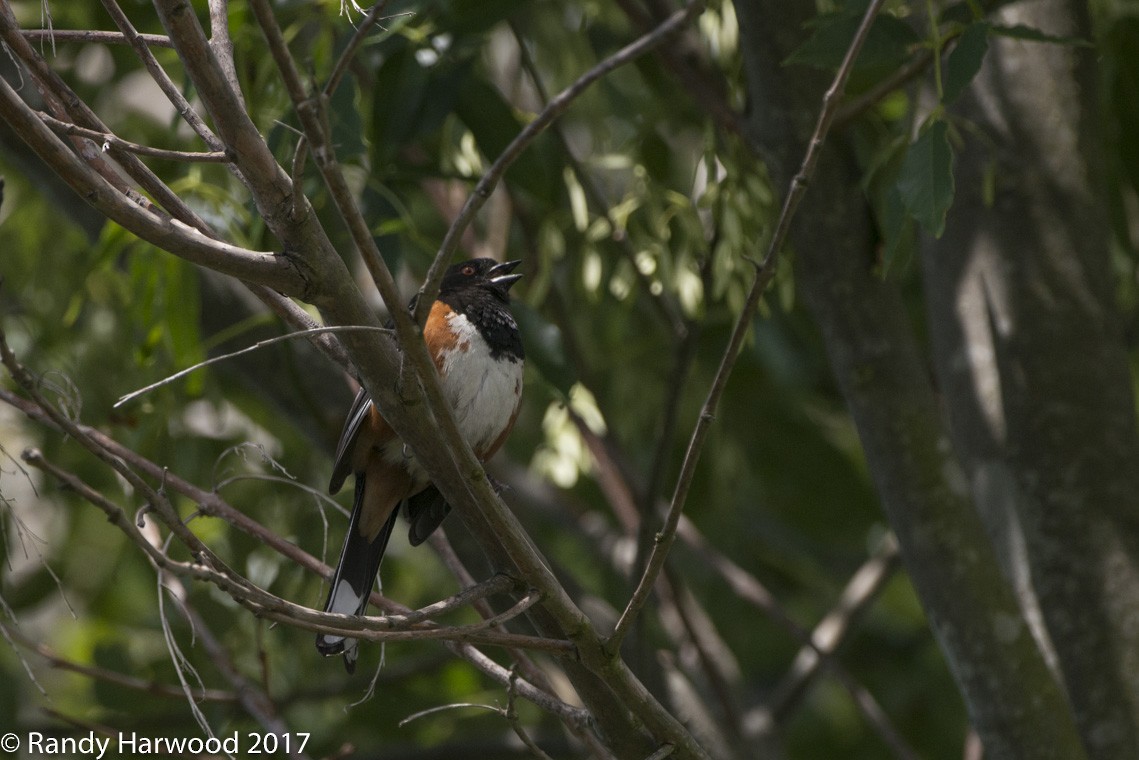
{"x": 211, "y": 503}
{"x": 453, "y": 465}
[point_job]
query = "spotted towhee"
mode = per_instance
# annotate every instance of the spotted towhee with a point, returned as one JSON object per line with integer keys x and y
{"x": 474, "y": 341}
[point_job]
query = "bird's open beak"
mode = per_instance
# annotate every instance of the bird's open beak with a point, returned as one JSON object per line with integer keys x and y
{"x": 501, "y": 277}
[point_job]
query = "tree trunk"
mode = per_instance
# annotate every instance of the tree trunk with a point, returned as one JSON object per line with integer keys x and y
{"x": 1013, "y": 699}
{"x": 1029, "y": 353}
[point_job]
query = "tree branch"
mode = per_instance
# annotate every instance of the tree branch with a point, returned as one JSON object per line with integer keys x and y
{"x": 763, "y": 276}
{"x": 97, "y": 37}
{"x": 278, "y": 272}
{"x": 108, "y": 140}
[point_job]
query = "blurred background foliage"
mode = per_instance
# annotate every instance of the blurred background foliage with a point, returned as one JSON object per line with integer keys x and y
{"x": 633, "y": 215}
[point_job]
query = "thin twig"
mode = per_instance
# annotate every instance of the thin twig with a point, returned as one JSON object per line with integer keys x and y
{"x": 665, "y": 305}
{"x": 210, "y": 568}
{"x": 248, "y": 349}
{"x": 108, "y": 140}
{"x": 511, "y": 715}
{"x": 443, "y": 708}
{"x": 272, "y": 607}
{"x": 763, "y": 276}
{"x": 172, "y": 92}
{"x": 153, "y": 688}
{"x": 81, "y": 114}
{"x": 829, "y": 634}
{"x": 169, "y": 234}
{"x": 441, "y": 544}
{"x": 211, "y": 503}
{"x": 300, "y": 320}
{"x": 353, "y": 45}
{"x": 312, "y": 116}
{"x": 468, "y": 597}
{"x": 575, "y": 717}
{"x": 178, "y": 658}
{"x": 92, "y": 35}
{"x": 530, "y": 670}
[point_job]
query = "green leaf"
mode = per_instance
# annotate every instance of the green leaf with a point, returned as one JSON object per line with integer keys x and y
{"x": 416, "y": 100}
{"x": 887, "y": 44}
{"x": 182, "y": 318}
{"x": 1029, "y": 34}
{"x": 494, "y": 123}
{"x": 965, "y": 61}
{"x": 926, "y": 180}
{"x": 897, "y": 229}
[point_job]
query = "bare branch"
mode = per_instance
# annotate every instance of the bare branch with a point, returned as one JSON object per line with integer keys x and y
{"x": 299, "y": 320}
{"x": 311, "y": 113}
{"x": 91, "y": 35}
{"x": 828, "y": 635}
{"x": 272, "y": 607}
{"x": 153, "y": 688}
{"x": 665, "y": 305}
{"x": 574, "y": 716}
{"x": 108, "y": 140}
{"x": 222, "y": 45}
{"x": 468, "y": 597}
{"x": 56, "y": 90}
{"x": 275, "y": 271}
{"x": 172, "y": 92}
{"x": 349, "y": 52}
{"x": 763, "y": 276}
{"x": 511, "y": 714}
{"x": 248, "y": 349}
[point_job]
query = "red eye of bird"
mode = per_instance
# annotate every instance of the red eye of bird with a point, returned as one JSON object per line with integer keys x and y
{"x": 468, "y": 270}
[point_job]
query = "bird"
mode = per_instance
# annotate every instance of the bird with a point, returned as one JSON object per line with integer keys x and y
{"x": 475, "y": 344}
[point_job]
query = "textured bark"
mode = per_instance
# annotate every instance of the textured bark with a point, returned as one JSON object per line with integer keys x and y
{"x": 1014, "y": 701}
{"x": 1029, "y": 353}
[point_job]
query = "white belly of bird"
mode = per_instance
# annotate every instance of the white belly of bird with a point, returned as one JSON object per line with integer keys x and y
{"x": 484, "y": 391}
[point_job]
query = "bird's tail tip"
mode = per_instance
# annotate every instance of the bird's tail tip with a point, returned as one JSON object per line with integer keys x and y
{"x": 330, "y": 646}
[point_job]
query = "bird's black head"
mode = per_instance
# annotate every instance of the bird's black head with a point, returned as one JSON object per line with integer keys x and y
{"x": 488, "y": 273}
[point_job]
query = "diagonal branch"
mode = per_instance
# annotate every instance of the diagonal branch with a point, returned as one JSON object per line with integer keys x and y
{"x": 55, "y": 89}
{"x": 212, "y": 504}
{"x": 158, "y": 74}
{"x": 278, "y": 272}
{"x": 763, "y": 276}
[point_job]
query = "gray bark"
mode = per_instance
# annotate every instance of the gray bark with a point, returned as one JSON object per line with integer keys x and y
{"x": 1013, "y": 699}
{"x": 1029, "y": 353}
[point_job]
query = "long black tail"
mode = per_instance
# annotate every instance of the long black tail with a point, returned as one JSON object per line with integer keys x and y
{"x": 354, "y": 578}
